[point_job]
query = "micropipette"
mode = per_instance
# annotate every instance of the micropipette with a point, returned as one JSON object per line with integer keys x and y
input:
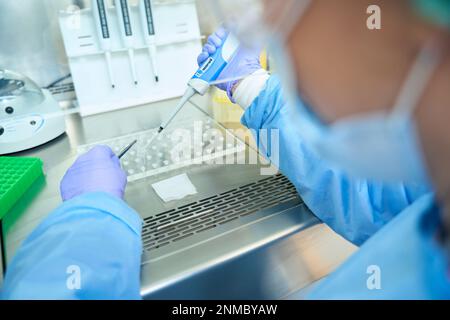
{"x": 101, "y": 20}
{"x": 208, "y": 72}
{"x": 148, "y": 25}
{"x": 123, "y": 16}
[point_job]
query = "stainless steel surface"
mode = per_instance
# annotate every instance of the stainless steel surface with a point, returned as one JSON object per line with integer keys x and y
{"x": 272, "y": 249}
{"x": 214, "y": 211}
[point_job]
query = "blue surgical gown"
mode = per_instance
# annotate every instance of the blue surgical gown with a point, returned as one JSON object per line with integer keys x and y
{"x": 354, "y": 208}
{"x": 88, "y": 248}
{"x": 404, "y": 260}
{"x": 411, "y": 263}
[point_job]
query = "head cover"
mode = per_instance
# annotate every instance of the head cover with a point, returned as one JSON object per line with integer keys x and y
{"x": 255, "y": 22}
{"x": 437, "y": 11}
{"x": 259, "y": 20}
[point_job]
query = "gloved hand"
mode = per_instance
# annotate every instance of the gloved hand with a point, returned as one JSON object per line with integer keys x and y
{"x": 244, "y": 62}
{"x": 98, "y": 170}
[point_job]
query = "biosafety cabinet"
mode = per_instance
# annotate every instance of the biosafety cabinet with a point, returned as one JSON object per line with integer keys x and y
{"x": 244, "y": 234}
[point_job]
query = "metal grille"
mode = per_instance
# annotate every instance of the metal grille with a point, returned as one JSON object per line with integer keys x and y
{"x": 182, "y": 222}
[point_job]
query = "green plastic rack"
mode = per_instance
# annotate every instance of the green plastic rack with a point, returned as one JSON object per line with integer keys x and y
{"x": 17, "y": 174}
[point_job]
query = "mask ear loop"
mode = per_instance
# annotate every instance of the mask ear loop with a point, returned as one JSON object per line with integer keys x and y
{"x": 417, "y": 80}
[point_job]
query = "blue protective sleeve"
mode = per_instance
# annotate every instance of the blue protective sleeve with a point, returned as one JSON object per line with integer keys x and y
{"x": 404, "y": 261}
{"x": 88, "y": 248}
{"x": 354, "y": 208}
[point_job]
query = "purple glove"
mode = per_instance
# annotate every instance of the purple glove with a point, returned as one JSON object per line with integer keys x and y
{"x": 244, "y": 62}
{"x": 98, "y": 170}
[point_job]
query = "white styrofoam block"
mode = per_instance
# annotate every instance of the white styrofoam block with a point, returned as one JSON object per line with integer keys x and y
{"x": 178, "y": 44}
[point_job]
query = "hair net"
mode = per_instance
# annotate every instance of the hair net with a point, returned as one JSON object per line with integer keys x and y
{"x": 437, "y": 11}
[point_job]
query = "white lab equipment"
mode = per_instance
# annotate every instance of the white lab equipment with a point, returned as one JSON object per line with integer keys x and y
{"x": 178, "y": 43}
{"x": 126, "y": 31}
{"x": 148, "y": 25}
{"x": 104, "y": 35}
{"x": 29, "y": 115}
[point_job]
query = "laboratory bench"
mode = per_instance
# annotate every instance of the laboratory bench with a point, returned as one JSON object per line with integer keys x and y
{"x": 243, "y": 235}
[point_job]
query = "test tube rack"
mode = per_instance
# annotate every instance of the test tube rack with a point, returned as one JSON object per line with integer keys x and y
{"x": 163, "y": 154}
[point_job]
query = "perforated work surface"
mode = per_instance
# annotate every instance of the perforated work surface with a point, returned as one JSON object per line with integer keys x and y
{"x": 182, "y": 222}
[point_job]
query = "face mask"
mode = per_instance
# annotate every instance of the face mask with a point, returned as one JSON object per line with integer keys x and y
{"x": 377, "y": 146}
{"x": 381, "y": 146}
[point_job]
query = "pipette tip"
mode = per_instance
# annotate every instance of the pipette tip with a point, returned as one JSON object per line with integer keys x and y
{"x": 113, "y": 86}
{"x": 160, "y": 129}
{"x": 135, "y": 83}
{"x": 156, "y": 78}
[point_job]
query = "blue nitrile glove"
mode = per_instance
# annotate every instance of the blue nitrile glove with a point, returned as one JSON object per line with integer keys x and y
{"x": 95, "y": 171}
{"x": 244, "y": 62}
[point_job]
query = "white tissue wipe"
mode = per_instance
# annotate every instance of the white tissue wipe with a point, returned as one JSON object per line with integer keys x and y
{"x": 174, "y": 188}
